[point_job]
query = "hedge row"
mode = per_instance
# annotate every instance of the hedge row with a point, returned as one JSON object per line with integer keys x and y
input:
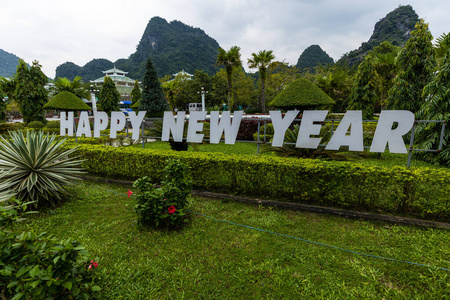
{"x": 421, "y": 193}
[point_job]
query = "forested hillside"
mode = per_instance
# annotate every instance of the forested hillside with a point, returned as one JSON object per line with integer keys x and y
{"x": 395, "y": 28}
{"x": 172, "y": 47}
{"x": 313, "y": 56}
{"x": 8, "y": 63}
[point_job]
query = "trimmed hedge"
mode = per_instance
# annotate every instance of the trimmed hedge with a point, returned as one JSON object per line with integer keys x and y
{"x": 421, "y": 193}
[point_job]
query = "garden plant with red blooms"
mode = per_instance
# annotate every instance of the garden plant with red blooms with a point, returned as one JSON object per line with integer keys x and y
{"x": 164, "y": 207}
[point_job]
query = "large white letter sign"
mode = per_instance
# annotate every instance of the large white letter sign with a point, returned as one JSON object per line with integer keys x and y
{"x": 174, "y": 126}
{"x": 195, "y": 126}
{"x": 353, "y": 121}
{"x": 308, "y": 128}
{"x": 280, "y": 125}
{"x": 117, "y": 123}
{"x": 136, "y": 122}
{"x": 384, "y": 134}
{"x": 83, "y": 125}
{"x": 66, "y": 123}
{"x": 224, "y": 125}
{"x": 100, "y": 122}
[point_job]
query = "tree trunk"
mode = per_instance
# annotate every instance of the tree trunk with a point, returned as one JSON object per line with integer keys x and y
{"x": 263, "y": 96}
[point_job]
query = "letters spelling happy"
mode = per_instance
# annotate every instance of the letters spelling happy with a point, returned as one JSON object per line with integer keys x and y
{"x": 348, "y": 133}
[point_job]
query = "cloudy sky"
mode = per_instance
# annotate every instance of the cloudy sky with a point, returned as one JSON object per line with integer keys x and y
{"x": 56, "y": 31}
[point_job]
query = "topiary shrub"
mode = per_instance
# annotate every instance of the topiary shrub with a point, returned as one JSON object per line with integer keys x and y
{"x": 164, "y": 207}
{"x": 35, "y": 125}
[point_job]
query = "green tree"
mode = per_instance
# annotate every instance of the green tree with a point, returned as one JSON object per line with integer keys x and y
{"x": 109, "y": 97}
{"x": 436, "y": 108}
{"x": 2, "y": 106}
{"x": 75, "y": 87}
{"x": 30, "y": 92}
{"x": 279, "y": 75}
{"x": 336, "y": 81}
{"x": 416, "y": 65}
{"x": 261, "y": 61}
{"x": 153, "y": 100}
{"x": 229, "y": 59}
{"x": 363, "y": 96}
{"x": 135, "y": 93}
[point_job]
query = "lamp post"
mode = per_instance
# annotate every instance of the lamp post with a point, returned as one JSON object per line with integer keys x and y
{"x": 92, "y": 91}
{"x": 203, "y": 92}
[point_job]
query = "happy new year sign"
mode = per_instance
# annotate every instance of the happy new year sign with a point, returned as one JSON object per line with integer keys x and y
{"x": 349, "y": 132}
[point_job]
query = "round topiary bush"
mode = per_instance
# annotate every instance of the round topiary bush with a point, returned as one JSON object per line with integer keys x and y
{"x": 36, "y": 125}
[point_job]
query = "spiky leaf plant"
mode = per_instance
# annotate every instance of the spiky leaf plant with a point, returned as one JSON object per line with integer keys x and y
{"x": 35, "y": 168}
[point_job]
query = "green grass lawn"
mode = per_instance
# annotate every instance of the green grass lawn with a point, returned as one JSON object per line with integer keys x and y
{"x": 210, "y": 259}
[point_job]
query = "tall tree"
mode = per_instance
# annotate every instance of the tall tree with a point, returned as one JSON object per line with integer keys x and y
{"x": 30, "y": 92}
{"x": 261, "y": 62}
{"x": 153, "y": 100}
{"x": 229, "y": 59}
{"x": 416, "y": 65}
{"x": 75, "y": 87}
{"x": 135, "y": 93}
{"x": 436, "y": 108}
{"x": 109, "y": 97}
{"x": 363, "y": 96}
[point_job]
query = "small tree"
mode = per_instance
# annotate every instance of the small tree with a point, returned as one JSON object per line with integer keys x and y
{"x": 109, "y": 97}
{"x": 416, "y": 65}
{"x": 2, "y": 106}
{"x": 30, "y": 92}
{"x": 153, "y": 100}
{"x": 135, "y": 93}
{"x": 75, "y": 87}
{"x": 301, "y": 94}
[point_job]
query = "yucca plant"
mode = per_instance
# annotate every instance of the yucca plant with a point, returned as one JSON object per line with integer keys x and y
{"x": 35, "y": 168}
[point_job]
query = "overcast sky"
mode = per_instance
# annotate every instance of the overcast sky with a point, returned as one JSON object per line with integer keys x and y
{"x": 57, "y": 31}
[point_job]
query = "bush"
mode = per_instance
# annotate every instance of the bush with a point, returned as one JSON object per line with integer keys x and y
{"x": 418, "y": 192}
{"x": 36, "y": 125}
{"x": 35, "y": 167}
{"x": 53, "y": 124}
{"x": 35, "y": 266}
{"x": 164, "y": 206}
{"x": 5, "y": 127}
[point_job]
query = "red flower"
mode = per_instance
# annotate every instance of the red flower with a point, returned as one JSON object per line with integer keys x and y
{"x": 93, "y": 263}
{"x": 129, "y": 193}
{"x": 171, "y": 209}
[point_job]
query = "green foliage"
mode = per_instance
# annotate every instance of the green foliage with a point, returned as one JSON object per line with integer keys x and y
{"x": 5, "y": 127}
{"x": 2, "y": 106}
{"x": 153, "y": 100}
{"x": 36, "y": 168}
{"x": 30, "y": 93}
{"x": 230, "y": 59}
{"x": 66, "y": 101}
{"x": 363, "y": 96}
{"x": 312, "y": 57}
{"x": 75, "y": 87}
{"x": 261, "y": 61}
{"x": 135, "y": 93}
{"x": 36, "y": 266}
{"x": 301, "y": 94}
{"x": 36, "y": 125}
{"x": 109, "y": 97}
{"x": 415, "y": 65}
{"x": 419, "y": 192}
{"x": 436, "y": 108}
{"x": 164, "y": 207}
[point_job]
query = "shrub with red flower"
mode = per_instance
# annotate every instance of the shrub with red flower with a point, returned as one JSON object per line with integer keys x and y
{"x": 93, "y": 264}
{"x": 164, "y": 207}
{"x": 171, "y": 209}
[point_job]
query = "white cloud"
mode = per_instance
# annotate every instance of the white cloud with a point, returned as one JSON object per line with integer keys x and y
{"x": 54, "y": 32}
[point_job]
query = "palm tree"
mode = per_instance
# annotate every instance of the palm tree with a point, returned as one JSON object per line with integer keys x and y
{"x": 75, "y": 87}
{"x": 229, "y": 59}
{"x": 261, "y": 61}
